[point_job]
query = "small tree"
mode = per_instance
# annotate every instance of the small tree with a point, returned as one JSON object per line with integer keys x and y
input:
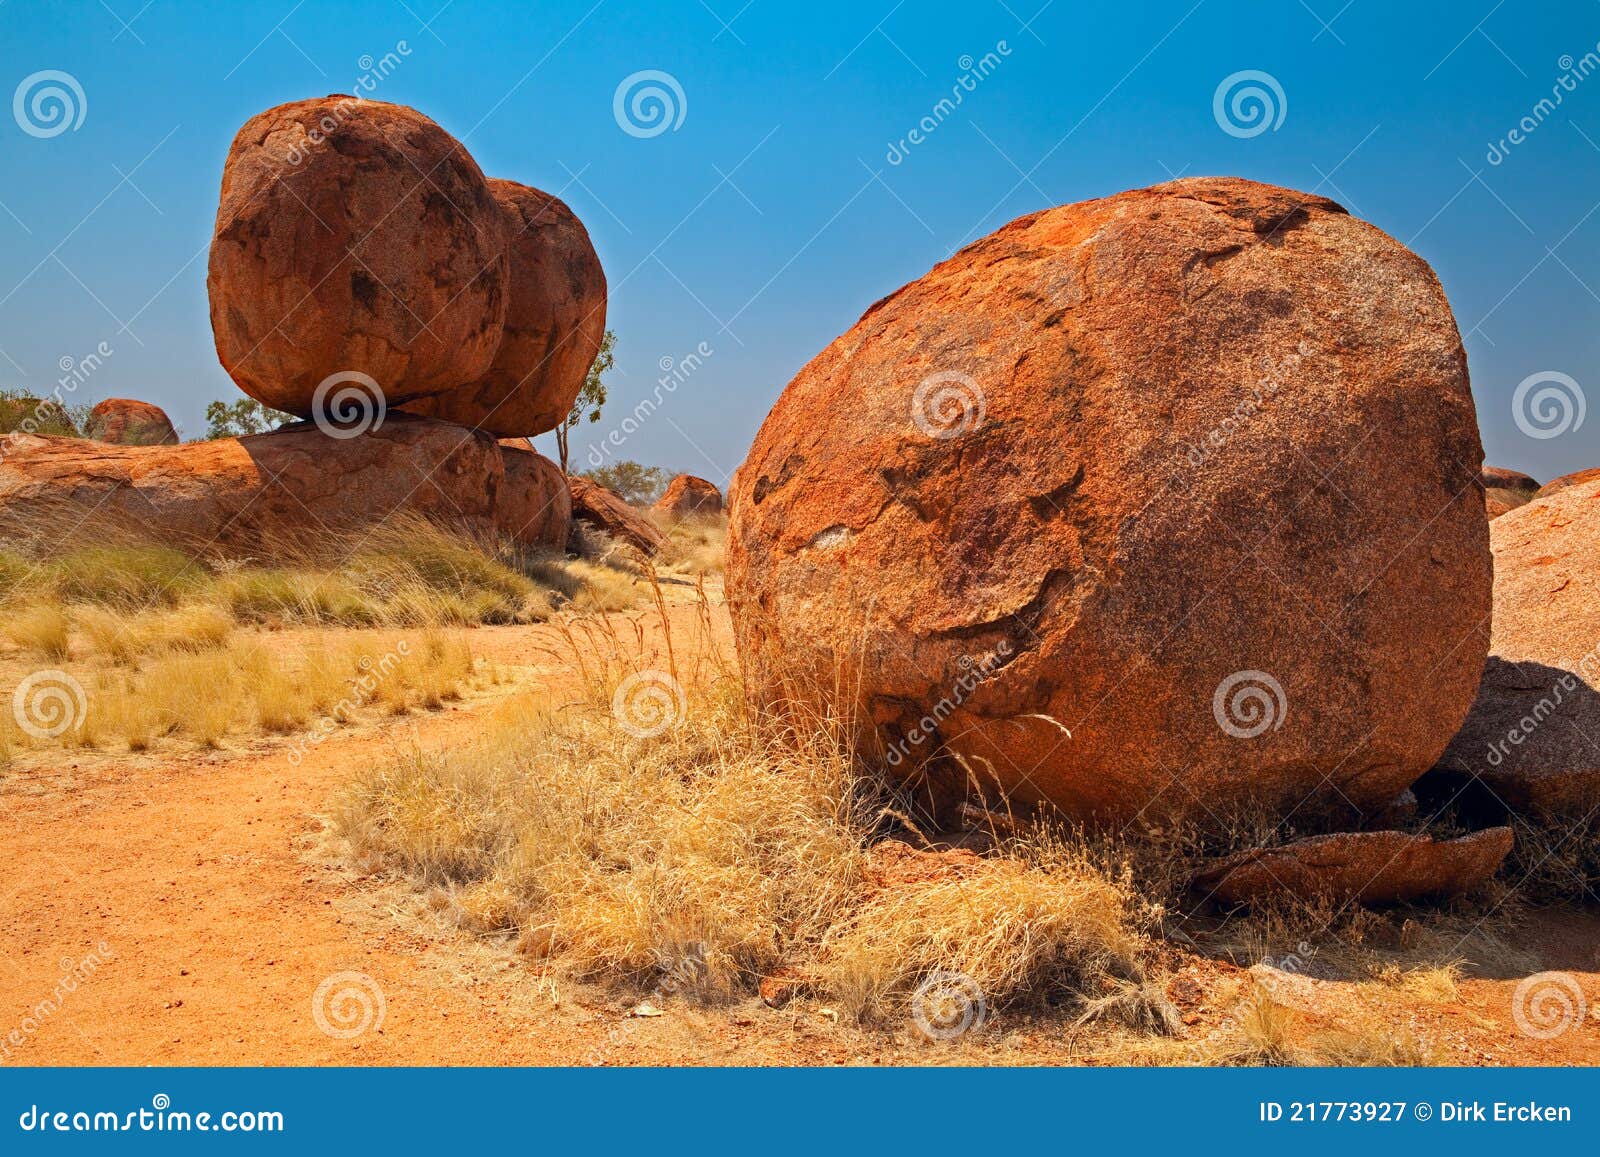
{"x": 246, "y": 416}
{"x": 631, "y": 481}
{"x": 590, "y": 398}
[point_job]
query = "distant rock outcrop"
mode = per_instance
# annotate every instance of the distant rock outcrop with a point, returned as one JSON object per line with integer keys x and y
{"x": 607, "y": 512}
{"x": 1147, "y": 504}
{"x": 689, "y": 497}
{"x": 125, "y": 422}
{"x": 1532, "y": 733}
{"x": 295, "y": 486}
{"x": 1505, "y": 490}
{"x": 1576, "y": 478}
{"x": 1500, "y": 478}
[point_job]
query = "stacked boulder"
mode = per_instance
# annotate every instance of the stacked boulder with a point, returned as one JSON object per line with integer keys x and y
{"x": 365, "y": 275}
{"x": 1148, "y": 506}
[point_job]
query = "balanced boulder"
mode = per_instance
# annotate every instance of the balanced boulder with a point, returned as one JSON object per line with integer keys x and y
{"x": 1149, "y": 504}
{"x": 357, "y": 246}
{"x": 1533, "y": 735}
{"x": 555, "y": 318}
{"x": 689, "y": 497}
{"x": 125, "y": 422}
{"x": 295, "y": 487}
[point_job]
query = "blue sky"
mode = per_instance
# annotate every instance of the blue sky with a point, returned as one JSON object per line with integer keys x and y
{"x": 770, "y": 217}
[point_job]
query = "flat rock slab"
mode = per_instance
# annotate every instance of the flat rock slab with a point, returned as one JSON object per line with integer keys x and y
{"x": 295, "y": 486}
{"x": 607, "y": 511}
{"x": 1367, "y": 867}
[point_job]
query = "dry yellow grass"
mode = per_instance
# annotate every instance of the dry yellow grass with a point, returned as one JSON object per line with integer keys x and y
{"x": 1050, "y": 925}
{"x": 189, "y": 684}
{"x": 695, "y": 546}
{"x": 123, "y": 638}
{"x": 656, "y": 830}
{"x": 40, "y": 629}
{"x": 407, "y": 573}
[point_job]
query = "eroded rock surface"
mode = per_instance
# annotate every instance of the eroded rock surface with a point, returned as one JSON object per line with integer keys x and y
{"x": 1189, "y": 472}
{"x": 555, "y": 318}
{"x": 1533, "y": 735}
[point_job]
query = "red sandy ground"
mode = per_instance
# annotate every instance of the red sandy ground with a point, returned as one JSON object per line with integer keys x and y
{"x": 223, "y": 904}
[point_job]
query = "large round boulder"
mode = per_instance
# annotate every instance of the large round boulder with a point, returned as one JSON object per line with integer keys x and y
{"x": 1152, "y": 504}
{"x": 535, "y": 506}
{"x": 555, "y": 318}
{"x": 355, "y": 241}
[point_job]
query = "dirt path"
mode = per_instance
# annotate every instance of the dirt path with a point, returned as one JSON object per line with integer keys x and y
{"x": 189, "y": 895}
{"x": 187, "y": 910}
